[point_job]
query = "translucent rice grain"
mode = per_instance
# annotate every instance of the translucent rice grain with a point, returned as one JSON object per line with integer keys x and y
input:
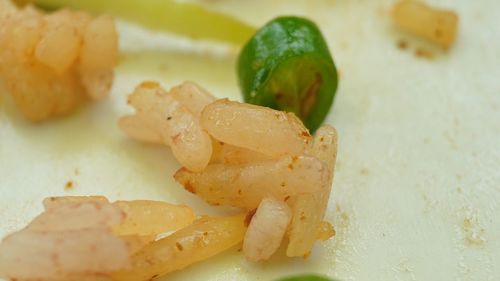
{"x": 271, "y": 132}
{"x": 137, "y": 128}
{"x": 98, "y": 56}
{"x": 146, "y": 217}
{"x": 23, "y": 36}
{"x": 177, "y": 126}
{"x": 78, "y": 215}
{"x": 51, "y": 63}
{"x": 266, "y": 230}
{"x": 71, "y": 240}
{"x": 58, "y": 32}
{"x": 63, "y": 255}
{"x": 325, "y": 231}
{"x": 203, "y": 239}
{"x": 55, "y": 202}
{"x": 436, "y": 25}
{"x": 192, "y": 96}
{"x": 309, "y": 209}
{"x": 245, "y": 185}
{"x": 230, "y": 154}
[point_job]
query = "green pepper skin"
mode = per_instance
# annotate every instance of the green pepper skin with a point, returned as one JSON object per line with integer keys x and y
{"x": 181, "y": 17}
{"x": 286, "y": 65}
{"x": 305, "y": 278}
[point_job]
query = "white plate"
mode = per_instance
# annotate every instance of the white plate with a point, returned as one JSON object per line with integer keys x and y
{"x": 417, "y": 187}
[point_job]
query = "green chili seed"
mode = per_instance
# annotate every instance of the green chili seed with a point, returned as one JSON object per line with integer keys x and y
{"x": 286, "y": 65}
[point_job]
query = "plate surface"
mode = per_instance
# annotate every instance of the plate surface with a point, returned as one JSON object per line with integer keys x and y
{"x": 417, "y": 186}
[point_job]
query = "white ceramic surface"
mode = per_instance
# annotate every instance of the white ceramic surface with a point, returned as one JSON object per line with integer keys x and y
{"x": 417, "y": 186}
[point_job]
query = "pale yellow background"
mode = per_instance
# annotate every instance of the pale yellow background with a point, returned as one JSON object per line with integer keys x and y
{"x": 417, "y": 187}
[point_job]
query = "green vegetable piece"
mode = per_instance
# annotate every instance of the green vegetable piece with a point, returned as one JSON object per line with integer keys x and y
{"x": 187, "y": 19}
{"x": 286, "y": 65}
{"x": 305, "y": 278}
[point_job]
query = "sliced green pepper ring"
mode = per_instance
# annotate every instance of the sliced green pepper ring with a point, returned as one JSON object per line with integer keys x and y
{"x": 286, "y": 65}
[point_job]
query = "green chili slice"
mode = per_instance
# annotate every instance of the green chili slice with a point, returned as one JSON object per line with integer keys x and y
{"x": 286, "y": 65}
{"x": 181, "y": 17}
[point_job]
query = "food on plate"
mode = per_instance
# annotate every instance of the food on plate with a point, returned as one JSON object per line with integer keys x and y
{"x": 230, "y": 154}
{"x": 192, "y": 96}
{"x": 310, "y": 208}
{"x": 245, "y": 185}
{"x": 201, "y": 240}
{"x": 68, "y": 241}
{"x": 146, "y": 217}
{"x": 253, "y": 157}
{"x": 436, "y": 25}
{"x": 267, "y": 229}
{"x": 286, "y": 65}
{"x": 50, "y": 63}
{"x": 325, "y": 231}
{"x": 190, "y": 19}
{"x": 98, "y": 56}
{"x": 162, "y": 117}
{"x": 242, "y": 125}
{"x": 89, "y": 238}
{"x": 54, "y": 202}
